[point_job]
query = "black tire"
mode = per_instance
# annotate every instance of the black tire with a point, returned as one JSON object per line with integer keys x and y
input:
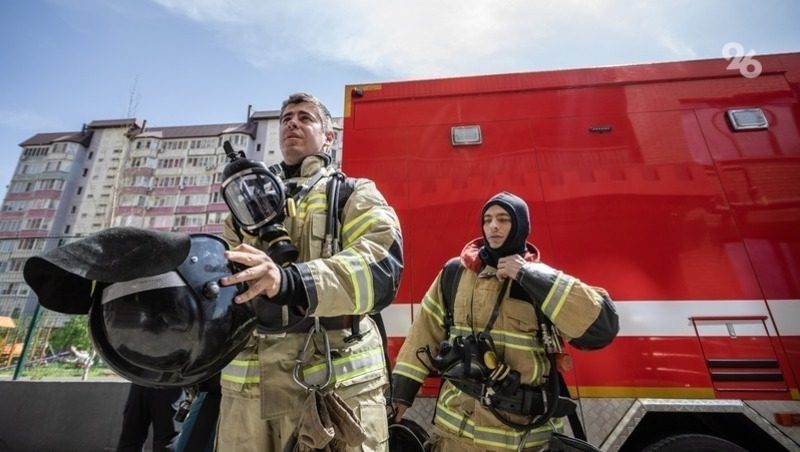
{"x": 693, "y": 443}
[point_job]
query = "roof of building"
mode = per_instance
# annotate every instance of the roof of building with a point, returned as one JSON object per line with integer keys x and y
{"x": 265, "y": 114}
{"x": 54, "y": 137}
{"x": 208, "y": 130}
{"x": 126, "y": 122}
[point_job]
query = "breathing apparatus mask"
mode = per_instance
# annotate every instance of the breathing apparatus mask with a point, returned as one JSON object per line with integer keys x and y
{"x": 256, "y": 197}
{"x": 473, "y": 358}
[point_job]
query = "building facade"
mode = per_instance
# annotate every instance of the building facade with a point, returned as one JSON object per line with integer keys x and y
{"x": 120, "y": 173}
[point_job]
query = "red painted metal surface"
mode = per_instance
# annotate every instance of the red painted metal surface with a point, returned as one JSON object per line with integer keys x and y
{"x": 636, "y": 182}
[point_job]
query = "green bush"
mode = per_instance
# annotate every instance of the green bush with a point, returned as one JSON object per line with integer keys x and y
{"x": 75, "y": 332}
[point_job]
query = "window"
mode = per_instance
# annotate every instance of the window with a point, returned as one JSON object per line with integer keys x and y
{"x": 163, "y": 201}
{"x": 66, "y": 229}
{"x": 41, "y": 203}
{"x": 170, "y": 163}
{"x": 85, "y": 172}
{"x": 7, "y": 246}
{"x": 189, "y": 220}
{"x": 30, "y": 244}
{"x": 216, "y": 217}
{"x": 80, "y": 190}
{"x": 91, "y": 154}
{"x": 10, "y": 225}
{"x": 159, "y": 222}
{"x": 195, "y": 200}
{"x": 33, "y": 223}
{"x": 12, "y": 265}
{"x": 74, "y": 209}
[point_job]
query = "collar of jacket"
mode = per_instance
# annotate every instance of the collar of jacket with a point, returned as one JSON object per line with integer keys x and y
{"x": 469, "y": 255}
{"x": 312, "y": 164}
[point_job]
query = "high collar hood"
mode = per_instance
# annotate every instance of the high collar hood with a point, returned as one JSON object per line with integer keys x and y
{"x": 470, "y": 254}
{"x": 520, "y": 228}
{"x": 307, "y": 167}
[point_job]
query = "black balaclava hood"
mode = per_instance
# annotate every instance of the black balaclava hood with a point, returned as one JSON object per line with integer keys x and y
{"x": 520, "y": 228}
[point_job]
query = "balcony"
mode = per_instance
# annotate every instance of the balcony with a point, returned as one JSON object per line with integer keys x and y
{"x": 190, "y": 209}
{"x": 139, "y": 171}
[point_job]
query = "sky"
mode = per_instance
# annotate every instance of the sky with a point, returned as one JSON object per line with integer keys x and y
{"x": 64, "y": 63}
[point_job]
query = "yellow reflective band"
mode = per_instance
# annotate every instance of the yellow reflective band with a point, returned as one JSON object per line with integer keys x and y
{"x": 410, "y": 371}
{"x": 449, "y": 394}
{"x": 313, "y": 202}
{"x": 433, "y": 310}
{"x": 370, "y": 299}
{"x": 358, "y": 372}
{"x": 360, "y": 276}
{"x": 352, "y": 230}
{"x": 496, "y": 437}
{"x": 349, "y": 225}
{"x": 350, "y": 238}
{"x": 242, "y": 371}
{"x": 311, "y": 209}
{"x": 319, "y": 198}
{"x": 245, "y": 362}
{"x": 505, "y": 338}
{"x": 246, "y": 380}
{"x": 561, "y": 300}
{"x": 347, "y": 367}
{"x": 555, "y": 294}
{"x": 342, "y": 258}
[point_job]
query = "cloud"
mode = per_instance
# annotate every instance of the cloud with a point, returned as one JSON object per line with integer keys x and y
{"x": 418, "y": 38}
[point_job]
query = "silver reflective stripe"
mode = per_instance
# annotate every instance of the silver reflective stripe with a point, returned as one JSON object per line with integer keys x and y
{"x": 243, "y": 371}
{"x": 555, "y": 299}
{"x": 347, "y": 367}
{"x": 496, "y": 438}
{"x": 162, "y": 281}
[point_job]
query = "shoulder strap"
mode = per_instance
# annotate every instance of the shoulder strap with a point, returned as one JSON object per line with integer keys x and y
{"x": 451, "y": 275}
{"x": 337, "y": 192}
{"x": 346, "y": 189}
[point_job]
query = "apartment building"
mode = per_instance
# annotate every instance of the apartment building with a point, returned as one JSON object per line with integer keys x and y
{"x": 120, "y": 172}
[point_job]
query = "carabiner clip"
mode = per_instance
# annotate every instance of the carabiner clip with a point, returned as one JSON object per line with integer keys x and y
{"x": 301, "y": 359}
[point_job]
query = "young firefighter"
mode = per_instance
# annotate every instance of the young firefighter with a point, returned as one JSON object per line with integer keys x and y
{"x": 263, "y": 402}
{"x": 493, "y": 341}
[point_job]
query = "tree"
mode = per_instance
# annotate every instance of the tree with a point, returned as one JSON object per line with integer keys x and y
{"x": 75, "y": 333}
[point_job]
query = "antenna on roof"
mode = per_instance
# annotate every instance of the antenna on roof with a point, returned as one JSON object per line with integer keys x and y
{"x": 133, "y": 98}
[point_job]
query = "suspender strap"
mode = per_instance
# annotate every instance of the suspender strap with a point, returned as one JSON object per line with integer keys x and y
{"x": 496, "y": 310}
{"x": 451, "y": 274}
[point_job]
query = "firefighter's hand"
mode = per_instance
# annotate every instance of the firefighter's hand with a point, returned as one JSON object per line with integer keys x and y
{"x": 509, "y": 266}
{"x": 262, "y": 275}
{"x": 399, "y": 411}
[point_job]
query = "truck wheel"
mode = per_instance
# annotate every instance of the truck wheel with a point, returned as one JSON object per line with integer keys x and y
{"x": 693, "y": 443}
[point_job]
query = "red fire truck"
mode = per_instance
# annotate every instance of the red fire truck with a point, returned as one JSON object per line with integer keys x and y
{"x": 676, "y": 186}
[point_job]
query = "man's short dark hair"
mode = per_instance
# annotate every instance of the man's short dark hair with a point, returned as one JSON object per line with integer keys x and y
{"x": 322, "y": 110}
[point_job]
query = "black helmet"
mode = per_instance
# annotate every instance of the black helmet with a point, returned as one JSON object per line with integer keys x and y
{"x": 157, "y": 314}
{"x": 407, "y": 436}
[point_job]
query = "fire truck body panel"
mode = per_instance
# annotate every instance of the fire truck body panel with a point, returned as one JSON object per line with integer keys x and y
{"x": 636, "y": 182}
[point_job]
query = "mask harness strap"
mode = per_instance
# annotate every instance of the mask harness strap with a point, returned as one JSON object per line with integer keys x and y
{"x": 293, "y": 200}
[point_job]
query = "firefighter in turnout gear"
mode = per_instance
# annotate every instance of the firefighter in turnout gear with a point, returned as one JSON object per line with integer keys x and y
{"x": 493, "y": 332}
{"x": 314, "y": 331}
